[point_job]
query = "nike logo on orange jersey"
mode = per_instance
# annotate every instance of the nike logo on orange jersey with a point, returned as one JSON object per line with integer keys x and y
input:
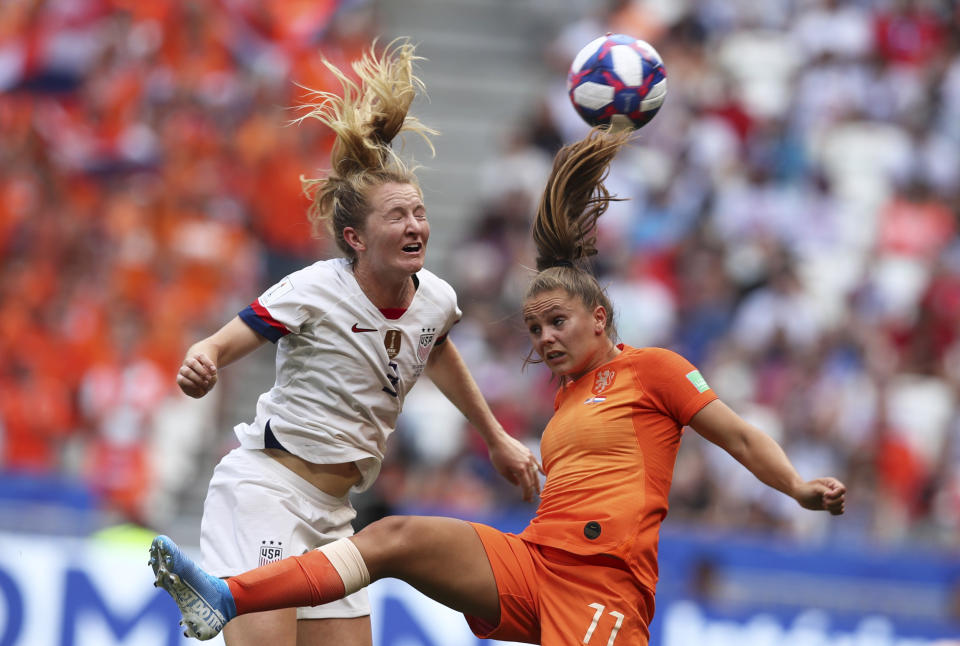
{"x": 362, "y": 329}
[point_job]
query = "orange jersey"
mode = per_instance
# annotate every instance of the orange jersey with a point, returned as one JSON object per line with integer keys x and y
{"x": 609, "y": 452}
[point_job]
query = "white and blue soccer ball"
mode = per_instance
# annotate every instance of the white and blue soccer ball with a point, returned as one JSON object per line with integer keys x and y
{"x": 617, "y": 81}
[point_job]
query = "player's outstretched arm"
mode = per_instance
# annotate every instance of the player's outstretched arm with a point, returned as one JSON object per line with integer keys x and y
{"x": 198, "y": 372}
{"x": 765, "y": 458}
{"x": 511, "y": 458}
{"x": 823, "y": 493}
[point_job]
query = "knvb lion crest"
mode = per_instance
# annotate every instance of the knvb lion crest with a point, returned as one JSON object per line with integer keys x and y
{"x": 427, "y": 336}
{"x": 603, "y": 380}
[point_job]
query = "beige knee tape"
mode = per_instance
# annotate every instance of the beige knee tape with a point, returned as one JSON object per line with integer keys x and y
{"x": 348, "y": 562}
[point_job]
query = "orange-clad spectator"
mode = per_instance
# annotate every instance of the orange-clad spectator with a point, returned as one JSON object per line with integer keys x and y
{"x": 38, "y": 415}
{"x": 25, "y": 342}
{"x": 300, "y": 21}
{"x": 119, "y": 474}
{"x": 83, "y": 327}
{"x": 267, "y": 178}
{"x": 118, "y": 399}
{"x": 343, "y": 40}
{"x": 277, "y": 205}
{"x": 900, "y": 470}
{"x": 18, "y": 196}
{"x": 118, "y": 396}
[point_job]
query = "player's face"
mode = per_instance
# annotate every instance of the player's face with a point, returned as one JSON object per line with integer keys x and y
{"x": 569, "y": 337}
{"x": 395, "y": 232}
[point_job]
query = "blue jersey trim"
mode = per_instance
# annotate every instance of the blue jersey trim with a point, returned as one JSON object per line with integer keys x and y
{"x": 258, "y": 325}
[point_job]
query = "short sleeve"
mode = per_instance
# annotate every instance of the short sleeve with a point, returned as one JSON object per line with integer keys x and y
{"x": 443, "y": 296}
{"x": 675, "y": 383}
{"x": 279, "y": 310}
{"x": 453, "y": 319}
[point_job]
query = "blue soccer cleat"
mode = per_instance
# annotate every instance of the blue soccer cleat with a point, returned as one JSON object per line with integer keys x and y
{"x": 204, "y": 600}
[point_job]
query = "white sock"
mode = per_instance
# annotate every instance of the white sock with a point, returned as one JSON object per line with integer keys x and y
{"x": 348, "y": 562}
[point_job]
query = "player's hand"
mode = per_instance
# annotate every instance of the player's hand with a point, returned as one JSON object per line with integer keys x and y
{"x": 823, "y": 494}
{"x": 197, "y": 375}
{"x": 517, "y": 464}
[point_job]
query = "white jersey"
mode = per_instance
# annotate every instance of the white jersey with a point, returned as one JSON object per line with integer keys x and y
{"x": 343, "y": 366}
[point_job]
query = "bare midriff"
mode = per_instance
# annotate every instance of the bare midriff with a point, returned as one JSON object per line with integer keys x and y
{"x": 331, "y": 479}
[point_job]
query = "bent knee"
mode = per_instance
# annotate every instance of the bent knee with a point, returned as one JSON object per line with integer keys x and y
{"x": 388, "y": 524}
{"x": 390, "y": 543}
{"x": 392, "y": 531}
{"x": 384, "y": 541}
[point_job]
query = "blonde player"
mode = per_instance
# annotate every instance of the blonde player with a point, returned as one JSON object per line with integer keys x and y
{"x": 353, "y": 335}
{"x": 584, "y": 571}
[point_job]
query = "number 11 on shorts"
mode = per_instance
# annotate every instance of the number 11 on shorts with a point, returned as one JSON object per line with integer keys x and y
{"x": 596, "y": 620}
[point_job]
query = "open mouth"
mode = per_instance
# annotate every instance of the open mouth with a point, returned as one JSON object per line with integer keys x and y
{"x": 415, "y": 247}
{"x": 555, "y": 354}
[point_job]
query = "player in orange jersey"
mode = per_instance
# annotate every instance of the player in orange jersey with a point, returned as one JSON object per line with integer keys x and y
{"x": 585, "y": 569}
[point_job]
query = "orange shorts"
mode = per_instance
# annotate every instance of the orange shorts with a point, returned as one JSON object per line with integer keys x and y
{"x": 552, "y": 597}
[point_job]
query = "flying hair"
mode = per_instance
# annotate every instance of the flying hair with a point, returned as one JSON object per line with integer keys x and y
{"x": 366, "y": 116}
{"x": 564, "y": 230}
{"x": 565, "y": 227}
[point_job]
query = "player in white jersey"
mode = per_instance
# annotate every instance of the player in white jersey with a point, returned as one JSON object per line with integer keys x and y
{"x": 353, "y": 335}
{"x": 337, "y": 352}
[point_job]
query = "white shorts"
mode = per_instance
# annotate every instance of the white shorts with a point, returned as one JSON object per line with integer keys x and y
{"x": 257, "y": 511}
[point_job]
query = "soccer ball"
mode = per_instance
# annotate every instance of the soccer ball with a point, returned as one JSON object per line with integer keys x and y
{"x": 617, "y": 81}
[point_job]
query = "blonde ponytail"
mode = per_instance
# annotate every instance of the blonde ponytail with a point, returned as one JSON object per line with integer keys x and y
{"x": 366, "y": 117}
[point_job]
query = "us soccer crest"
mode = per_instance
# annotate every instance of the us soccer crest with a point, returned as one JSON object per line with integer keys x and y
{"x": 270, "y": 551}
{"x": 427, "y": 336}
{"x": 603, "y": 380}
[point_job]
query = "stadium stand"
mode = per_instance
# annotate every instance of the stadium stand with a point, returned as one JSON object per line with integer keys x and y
{"x": 791, "y": 227}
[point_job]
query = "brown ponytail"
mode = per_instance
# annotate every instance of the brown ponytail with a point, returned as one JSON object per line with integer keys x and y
{"x": 564, "y": 230}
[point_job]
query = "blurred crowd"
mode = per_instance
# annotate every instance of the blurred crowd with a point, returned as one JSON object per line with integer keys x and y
{"x": 791, "y": 227}
{"x": 148, "y": 185}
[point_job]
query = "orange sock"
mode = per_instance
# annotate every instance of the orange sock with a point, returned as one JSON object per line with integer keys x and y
{"x": 307, "y": 580}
